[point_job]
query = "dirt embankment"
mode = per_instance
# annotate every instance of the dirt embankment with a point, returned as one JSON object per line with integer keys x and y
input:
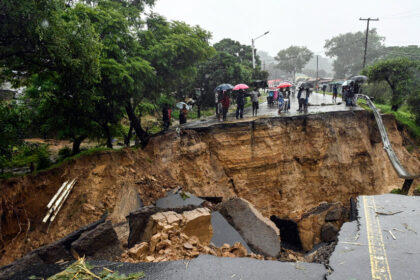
{"x": 283, "y": 166}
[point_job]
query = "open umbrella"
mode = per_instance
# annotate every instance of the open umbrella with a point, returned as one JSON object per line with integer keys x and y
{"x": 284, "y": 85}
{"x": 241, "y": 86}
{"x": 180, "y": 105}
{"x": 223, "y": 87}
{"x": 359, "y": 78}
{"x": 346, "y": 83}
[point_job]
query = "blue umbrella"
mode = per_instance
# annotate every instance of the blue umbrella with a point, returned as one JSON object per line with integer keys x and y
{"x": 223, "y": 87}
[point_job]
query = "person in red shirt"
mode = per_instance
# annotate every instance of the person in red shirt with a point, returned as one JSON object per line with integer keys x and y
{"x": 225, "y": 104}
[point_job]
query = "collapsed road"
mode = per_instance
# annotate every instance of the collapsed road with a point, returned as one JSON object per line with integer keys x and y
{"x": 300, "y": 171}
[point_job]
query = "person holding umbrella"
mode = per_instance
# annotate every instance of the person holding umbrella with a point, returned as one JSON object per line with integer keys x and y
{"x": 240, "y": 99}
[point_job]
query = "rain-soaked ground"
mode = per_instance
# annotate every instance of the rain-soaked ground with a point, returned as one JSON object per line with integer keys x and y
{"x": 318, "y": 103}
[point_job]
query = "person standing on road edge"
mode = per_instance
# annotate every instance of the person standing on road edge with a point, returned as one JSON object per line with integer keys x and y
{"x": 225, "y": 104}
{"x": 217, "y": 95}
{"x": 254, "y": 98}
{"x": 335, "y": 93}
{"x": 240, "y": 103}
{"x": 166, "y": 116}
{"x": 324, "y": 88}
{"x": 301, "y": 98}
{"x": 183, "y": 114}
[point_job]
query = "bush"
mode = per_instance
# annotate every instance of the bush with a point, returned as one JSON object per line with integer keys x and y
{"x": 42, "y": 157}
{"x": 64, "y": 153}
{"x": 396, "y": 191}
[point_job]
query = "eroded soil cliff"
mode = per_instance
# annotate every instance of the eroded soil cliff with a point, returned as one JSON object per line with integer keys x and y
{"x": 283, "y": 166}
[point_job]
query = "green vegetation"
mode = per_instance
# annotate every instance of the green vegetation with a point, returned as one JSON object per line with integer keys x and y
{"x": 100, "y": 69}
{"x": 396, "y": 191}
{"x": 346, "y": 48}
{"x": 403, "y": 117}
{"x": 293, "y": 59}
{"x": 398, "y": 73}
{"x": 80, "y": 270}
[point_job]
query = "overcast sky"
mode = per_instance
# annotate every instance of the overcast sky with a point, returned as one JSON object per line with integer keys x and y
{"x": 296, "y": 22}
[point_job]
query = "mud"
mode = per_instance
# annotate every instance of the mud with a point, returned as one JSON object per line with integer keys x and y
{"x": 284, "y": 166}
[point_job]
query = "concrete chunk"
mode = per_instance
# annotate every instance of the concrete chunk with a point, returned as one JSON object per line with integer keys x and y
{"x": 260, "y": 233}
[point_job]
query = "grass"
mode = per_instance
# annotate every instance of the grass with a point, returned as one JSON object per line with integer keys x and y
{"x": 396, "y": 191}
{"x": 403, "y": 117}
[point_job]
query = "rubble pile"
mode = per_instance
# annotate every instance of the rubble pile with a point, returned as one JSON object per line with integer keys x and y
{"x": 172, "y": 236}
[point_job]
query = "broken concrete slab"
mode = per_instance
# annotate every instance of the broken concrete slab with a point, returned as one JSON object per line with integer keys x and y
{"x": 224, "y": 233}
{"x": 48, "y": 254}
{"x": 260, "y": 233}
{"x": 224, "y": 268}
{"x": 139, "y": 219}
{"x": 100, "y": 242}
{"x": 178, "y": 200}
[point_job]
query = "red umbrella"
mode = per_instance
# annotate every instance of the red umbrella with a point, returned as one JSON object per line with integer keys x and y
{"x": 284, "y": 85}
{"x": 241, "y": 86}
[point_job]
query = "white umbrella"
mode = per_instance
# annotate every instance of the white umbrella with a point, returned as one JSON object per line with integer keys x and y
{"x": 180, "y": 105}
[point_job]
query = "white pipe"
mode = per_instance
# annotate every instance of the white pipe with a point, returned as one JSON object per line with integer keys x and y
{"x": 57, "y": 202}
{"x": 63, "y": 201}
{"x": 56, "y": 194}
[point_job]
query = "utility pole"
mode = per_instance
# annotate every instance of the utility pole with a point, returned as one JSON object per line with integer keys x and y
{"x": 316, "y": 81}
{"x": 253, "y": 48}
{"x": 367, "y": 36}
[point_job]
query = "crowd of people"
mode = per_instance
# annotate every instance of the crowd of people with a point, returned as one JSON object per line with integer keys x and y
{"x": 280, "y": 97}
{"x": 222, "y": 102}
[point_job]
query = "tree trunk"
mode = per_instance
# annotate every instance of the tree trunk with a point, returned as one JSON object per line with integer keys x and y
{"x": 76, "y": 144}
{"x": 141, "y": 134}
{"x": 127, "y": 138}
{"x": 108, "y": 136}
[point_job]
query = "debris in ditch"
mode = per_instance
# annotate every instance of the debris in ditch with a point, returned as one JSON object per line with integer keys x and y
{"x": 390, "y": 232}
{"x": 81, "y": 270}
{"x": 388, "y": 214}
{"x": 397, "y": 230}
{"x": 352, "y": 243}
{"x": 409, "y": 228}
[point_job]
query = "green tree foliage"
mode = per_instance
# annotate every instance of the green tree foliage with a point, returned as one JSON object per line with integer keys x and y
{"x": 293, "y": 59}
{"x": 14, "y": 120}
{"x": 242, "y": 52}
{"x": 398, "y": 73}
{"x": 348, "y": 49}
{"x": 411, "y": 52}
{"x": 221, "y": 68}
{"x": 243, "y": 55}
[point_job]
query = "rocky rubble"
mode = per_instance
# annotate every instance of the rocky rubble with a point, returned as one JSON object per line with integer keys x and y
{"x": 173, "y": 236}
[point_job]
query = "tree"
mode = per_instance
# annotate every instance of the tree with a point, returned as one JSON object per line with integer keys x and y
{"x": 242, "y": 52}
{"x": 398, "y": 73}
{"x": 293, "y": 59}
{"x": 347, "y": 50}
{"x": 59, "y": 53}
{"x": 221, "y": 68}
{"x": 243, "y": 55}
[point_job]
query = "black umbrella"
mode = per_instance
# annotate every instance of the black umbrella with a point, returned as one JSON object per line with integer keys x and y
{"x": 359, "y": 78}
{"x": 223, "y": 87}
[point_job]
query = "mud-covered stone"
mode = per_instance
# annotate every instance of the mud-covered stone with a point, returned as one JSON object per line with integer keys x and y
{"x": 260, "y": 233}
{"x": 329, "y": 232}
{"x": 101, "y": 240}
{"x": 334, "y": 214}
